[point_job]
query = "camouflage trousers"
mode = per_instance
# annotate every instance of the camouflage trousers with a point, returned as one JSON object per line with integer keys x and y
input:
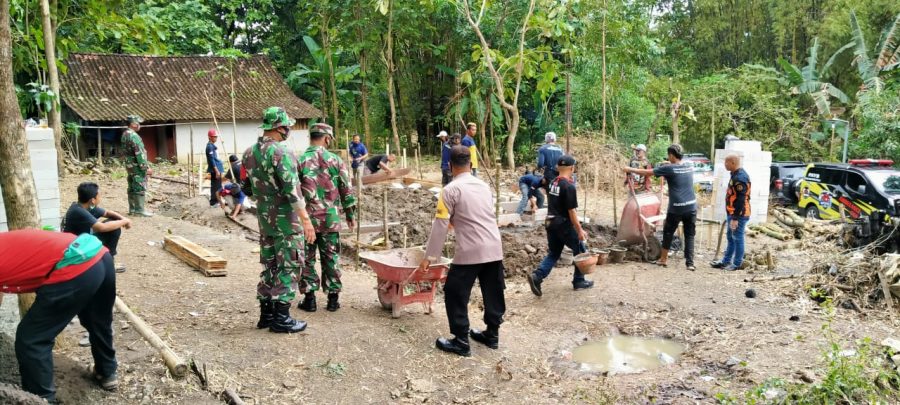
{"x": 137, "y": 182}
{"x": 329, "y": 246}
{"x": 282, "y": 258}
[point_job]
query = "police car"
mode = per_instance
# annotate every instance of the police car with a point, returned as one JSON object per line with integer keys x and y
{"x": 859, "y": 189}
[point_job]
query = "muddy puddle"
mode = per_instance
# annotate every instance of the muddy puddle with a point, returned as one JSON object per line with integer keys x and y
{"x": 626, "y": 354}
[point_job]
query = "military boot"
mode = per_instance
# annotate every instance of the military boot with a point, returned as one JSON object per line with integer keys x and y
{"x": 140, "y": 208}
{"x": 131, "y": 204}
{"x": 309, "y": 302}
{"x": 282, "y": 322}
{"x": 333, "y": 303}
{"x": 489, "y": 337}
{"x": 266, "y": 316}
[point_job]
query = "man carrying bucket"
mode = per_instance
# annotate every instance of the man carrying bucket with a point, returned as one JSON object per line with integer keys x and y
{"x": 466, "y": 203}
{"x": 563, "y": 228}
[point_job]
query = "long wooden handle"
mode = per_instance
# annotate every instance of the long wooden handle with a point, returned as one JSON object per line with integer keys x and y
{"x": 177, "y": 366}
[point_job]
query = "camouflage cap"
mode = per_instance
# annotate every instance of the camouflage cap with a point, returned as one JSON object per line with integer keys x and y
{"x": 275, "y": 117}
{"x": 134, "y": 119}
{"x": 321, "y": 128}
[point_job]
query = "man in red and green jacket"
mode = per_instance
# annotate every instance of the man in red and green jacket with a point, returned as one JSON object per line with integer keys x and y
{"x": 28, "y": 261}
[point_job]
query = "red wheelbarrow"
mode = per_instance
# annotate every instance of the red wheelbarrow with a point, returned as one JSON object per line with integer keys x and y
{"x": 399, "y": 283}
{"x": 640, "y": 218}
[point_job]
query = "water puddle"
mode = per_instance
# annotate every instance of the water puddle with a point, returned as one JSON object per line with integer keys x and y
{"x": 626, "y": 354}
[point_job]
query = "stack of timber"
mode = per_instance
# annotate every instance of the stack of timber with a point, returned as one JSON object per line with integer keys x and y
{"x": 191, "y": 253}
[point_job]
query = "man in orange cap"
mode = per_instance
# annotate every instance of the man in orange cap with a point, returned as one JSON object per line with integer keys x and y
{"x": 213, "y": 167}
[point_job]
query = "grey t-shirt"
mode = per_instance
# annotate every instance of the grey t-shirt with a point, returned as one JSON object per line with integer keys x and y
{"x": 681, "y": 187}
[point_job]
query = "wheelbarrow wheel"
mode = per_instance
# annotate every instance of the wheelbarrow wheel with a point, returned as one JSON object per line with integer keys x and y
{"x": 385, "y": 293}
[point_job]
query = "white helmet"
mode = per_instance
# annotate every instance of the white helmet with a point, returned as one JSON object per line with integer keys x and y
{"x": 641, "y": 147}
{"x": 442, "y": 133}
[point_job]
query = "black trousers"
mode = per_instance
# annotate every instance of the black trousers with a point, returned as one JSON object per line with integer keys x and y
{"x": 110, "y": 239}
{"x": 458, "y": 288}
{"x": 214, "y": 186}
{"x": 446, "y": 176}
{"x": 689, "y": 220}
{"x": 91, "y": 296}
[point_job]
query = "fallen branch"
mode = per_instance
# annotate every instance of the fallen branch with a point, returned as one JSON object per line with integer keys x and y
{"x": 231, "y": 397}
{"x": 175, "y": 364}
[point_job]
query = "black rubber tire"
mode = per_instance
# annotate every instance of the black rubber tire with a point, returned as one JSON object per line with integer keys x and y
{"x": 811, "y": 211}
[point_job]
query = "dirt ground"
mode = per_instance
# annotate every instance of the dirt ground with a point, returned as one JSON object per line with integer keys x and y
{"x": 361, "y": 355}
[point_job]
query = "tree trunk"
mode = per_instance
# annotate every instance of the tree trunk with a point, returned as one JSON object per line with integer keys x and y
{"x": 660, "y": 108}
{"x": 334, "y": 96}
{"x": 54, "y": 116}
{"x": 512, "y": 110}
{"x": 676, "y": 112}
{"x": 568, "y": 111}
{"x": 603, "y": 56}
{"x": 389, "y": 63}
{"x": 16, "y": 179}
{"x": 363, "y": 89}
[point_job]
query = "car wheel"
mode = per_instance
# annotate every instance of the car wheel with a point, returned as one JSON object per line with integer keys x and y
{"x": 812, "y": 212}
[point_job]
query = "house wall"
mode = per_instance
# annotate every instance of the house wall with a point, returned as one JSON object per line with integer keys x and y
{"x": 42, "y": 149}
{"x": 247, "y": 133}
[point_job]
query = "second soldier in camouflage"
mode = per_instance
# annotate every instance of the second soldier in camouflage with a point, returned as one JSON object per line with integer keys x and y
{"x": 137, "y": 166}
{"x": 326, "y": 188}
{"x": 271, "y": 177}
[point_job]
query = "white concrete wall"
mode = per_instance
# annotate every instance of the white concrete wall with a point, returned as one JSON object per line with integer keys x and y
{"x": 247, "y": 133}
{"x": 46, "y": 178}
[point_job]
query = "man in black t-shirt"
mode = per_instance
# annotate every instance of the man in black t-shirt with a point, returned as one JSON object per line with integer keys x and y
{"x": 563, "y": 228}
{"x": 84, "y": 217}
{"x": 682, "y": 203}
{"x": 378, "y": 162}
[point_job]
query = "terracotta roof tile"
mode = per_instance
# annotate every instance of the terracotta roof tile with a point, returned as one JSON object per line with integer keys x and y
{"x": 160, "y": 88}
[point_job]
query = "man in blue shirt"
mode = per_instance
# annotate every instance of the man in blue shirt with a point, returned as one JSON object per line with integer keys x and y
{"x": 548, "y": 156}
{"x": 213, "y": 167}
{"x": 358, "y": 154}
{"x": 530, "y": 185}
{"x": 445, "y": 158}
{"x": 469, "y": 142}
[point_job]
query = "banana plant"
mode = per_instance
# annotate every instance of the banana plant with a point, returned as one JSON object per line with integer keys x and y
{"x": 810, "y": 79}
{"x": 887, "y": 57}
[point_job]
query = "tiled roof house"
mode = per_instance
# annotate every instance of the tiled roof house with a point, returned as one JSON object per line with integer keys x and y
{"x": 181, "y": 91}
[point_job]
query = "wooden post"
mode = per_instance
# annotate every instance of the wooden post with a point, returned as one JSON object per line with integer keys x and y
{"x": 191, "y": 162}
{"x": 418, "y": 168}
{"x": 404, "y": 237}
{"x": 615, "y": 205}
{"x": 497, "y": 186}
{"x": 99, "y": 148}
{"x": 719, "y": 243}
{"x": 359, "y": 216}
{"x": 387, "y": 239}
{"x": 404, "y": 158}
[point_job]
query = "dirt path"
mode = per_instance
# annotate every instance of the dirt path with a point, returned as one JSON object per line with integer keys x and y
{"x": 361, "y": 355}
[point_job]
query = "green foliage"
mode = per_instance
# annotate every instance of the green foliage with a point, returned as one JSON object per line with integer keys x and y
{"x": 42, "y": 96}
{"x": 187, "y": 27}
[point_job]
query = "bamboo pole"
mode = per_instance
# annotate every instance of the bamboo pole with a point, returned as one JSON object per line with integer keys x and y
{"x": 387, "y": 239}
{"x": 615, "y": 206}
{"x": 177, "y": 366}
{"x": 721, "y": 233}
{"x": 99, "y": 148}
{"x": 404, "y": 237}
{"x": 359, "y": 215}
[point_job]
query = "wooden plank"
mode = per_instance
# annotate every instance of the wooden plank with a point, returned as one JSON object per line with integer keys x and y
{"x": 383, "y": 176}
{"x": 425, "y": 183}
{"x": 368, "y": 228}
{"x": 191, "y": 253}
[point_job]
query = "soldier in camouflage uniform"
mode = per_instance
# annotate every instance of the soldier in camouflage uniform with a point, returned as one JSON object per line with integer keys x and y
{"x": 271, "y": 177}
{"x": 137, "y": 166}
{"x": 325, "y": 185}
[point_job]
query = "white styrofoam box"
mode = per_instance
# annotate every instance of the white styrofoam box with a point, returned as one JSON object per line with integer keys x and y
{"x": 39, "y": 134}
{"x": 744, "y": 146}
